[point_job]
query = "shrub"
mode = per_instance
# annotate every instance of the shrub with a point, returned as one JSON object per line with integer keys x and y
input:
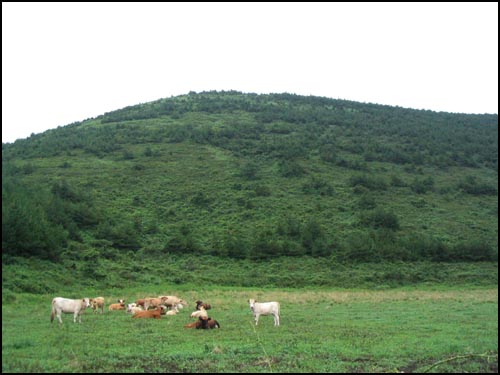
{"x": 369, "y": 182}
{"x": 381, "y": 219}
{"x": 422, "y": 186}
{"x": 290, "y": 168}
{"x": 471, "y": 186}
{"x": 475, "y": 251}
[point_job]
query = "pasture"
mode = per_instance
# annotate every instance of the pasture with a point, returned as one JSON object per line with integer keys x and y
{"x": 396, "y": 330}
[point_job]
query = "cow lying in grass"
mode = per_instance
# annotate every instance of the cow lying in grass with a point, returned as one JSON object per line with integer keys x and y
{"x": 201, "y": 323}
{"x": 153, "y": 314}
{"x": 117, "y": 306}
{"x": 201, "y": 313}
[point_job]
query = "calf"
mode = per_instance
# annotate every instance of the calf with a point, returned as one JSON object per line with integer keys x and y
{"x": 133, "y": 308}
{"x": 116, "y": 306}
{"x": 265, "y": 308}
{"x": 97, "y": 303}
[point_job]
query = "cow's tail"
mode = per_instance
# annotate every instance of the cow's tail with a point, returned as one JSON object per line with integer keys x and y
{"x": 53, "y": 312}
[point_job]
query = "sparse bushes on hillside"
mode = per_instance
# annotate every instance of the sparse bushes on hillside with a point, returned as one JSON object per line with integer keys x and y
{"x": 266, "y": 155}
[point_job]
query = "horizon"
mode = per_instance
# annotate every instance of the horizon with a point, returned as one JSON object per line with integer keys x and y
{"x": 253, "y": 93}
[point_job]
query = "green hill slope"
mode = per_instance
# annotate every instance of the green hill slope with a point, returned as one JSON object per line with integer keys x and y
{"x": 249, "y": 176}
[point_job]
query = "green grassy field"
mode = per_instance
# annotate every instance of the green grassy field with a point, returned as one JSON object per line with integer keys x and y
{"x": 330, "y": 330}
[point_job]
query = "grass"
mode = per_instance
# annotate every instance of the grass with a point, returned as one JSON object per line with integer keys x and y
{"x": 410, "y": 330}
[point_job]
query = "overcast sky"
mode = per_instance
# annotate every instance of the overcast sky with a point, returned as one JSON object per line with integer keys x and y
{"x": 65, "y": 62}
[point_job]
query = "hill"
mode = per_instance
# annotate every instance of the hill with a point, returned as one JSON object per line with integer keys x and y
{"x": 254, "y": 177}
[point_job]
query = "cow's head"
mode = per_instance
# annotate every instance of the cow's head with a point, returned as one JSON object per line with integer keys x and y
{"x": 252, "y": 303}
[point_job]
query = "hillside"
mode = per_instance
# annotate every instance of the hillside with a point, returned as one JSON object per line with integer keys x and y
{"x": 246, "y": 176}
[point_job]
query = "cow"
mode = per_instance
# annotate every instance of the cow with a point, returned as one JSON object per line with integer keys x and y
{"x": 201, "y": 313}
{"x": 172, "y": 301}
{"x": 155, "y": 314}
{"x": 265, "y": 308}
{"x": 117, "y": 306}
{"x": 97, "y": 303}
{"x": 133, "y": 308}
{"x": 206, "y": 306}
{"x": 152, "y": 302}
{"x": 204, "y": 324}
{"x": 68, "y": 306}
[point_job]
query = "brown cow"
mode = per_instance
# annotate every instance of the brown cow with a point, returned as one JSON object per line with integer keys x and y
{"x": 117, "y": 306}
{"x": 206, "y": 306}
{"x": 97, "y": 303}
{"x": 154, "y": 314}
{"x": 204, "y": 324}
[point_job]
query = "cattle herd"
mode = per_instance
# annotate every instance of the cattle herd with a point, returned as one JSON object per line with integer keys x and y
{"x": 155, "y": 307}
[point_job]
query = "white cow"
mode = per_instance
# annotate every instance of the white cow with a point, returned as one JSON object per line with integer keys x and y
{"x": 69, "y": 306}
{"x": 265, "y": 308}
{"x": 201, "y": 313}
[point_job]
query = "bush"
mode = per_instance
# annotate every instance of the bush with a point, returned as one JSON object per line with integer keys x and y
{"x": 367, "y": 202}
{"x": 358, "y": 247}
{"x": 318, "y": 186}
{"x": 290, "y": 168}
{"x": 381, "y": 219}
{"x": 420, "y": 247}
{"x": 369, "y": 182}
{"x": 420, "y": 186}
{"x": 471, "y": 186}
{"x": 474, "y": 251}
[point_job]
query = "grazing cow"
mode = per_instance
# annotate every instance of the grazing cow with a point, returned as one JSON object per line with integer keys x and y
{"x": 171, "y": 301}
{"x": 152, "y": 302}
{"x": 154, "y": 314}
{"x": 265, "y": 308}
{"x": 97, "y": 303}
{"x": 68, "y": 306}
{"x": 204, "y": 324}
{"x": 205, "y": 305}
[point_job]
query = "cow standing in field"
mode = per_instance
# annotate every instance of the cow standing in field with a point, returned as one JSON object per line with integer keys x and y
{"x": 265, "y": 308}
{"x": 97, "y": 303}
{"x": 68, "y": 306}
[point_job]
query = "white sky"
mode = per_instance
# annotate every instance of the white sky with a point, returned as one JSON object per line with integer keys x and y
{"x": 65, "y": 62}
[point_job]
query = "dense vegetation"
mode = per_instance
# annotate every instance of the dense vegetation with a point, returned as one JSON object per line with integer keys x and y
{"x": 253, "y": 177}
